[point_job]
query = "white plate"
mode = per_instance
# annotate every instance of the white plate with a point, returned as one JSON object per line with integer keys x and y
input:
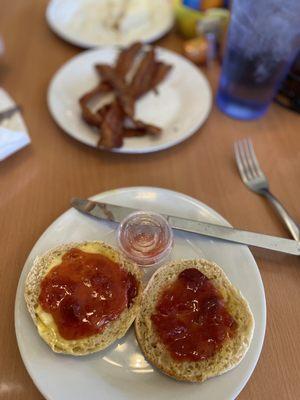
{"x": 180, "y": 108}
{"x": 121, "y": 372}
{"x": 79, "y": 22}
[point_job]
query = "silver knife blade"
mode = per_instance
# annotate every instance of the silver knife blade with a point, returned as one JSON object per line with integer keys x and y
{"x": 9, "y": 112}
{"x": 116, "y": 213}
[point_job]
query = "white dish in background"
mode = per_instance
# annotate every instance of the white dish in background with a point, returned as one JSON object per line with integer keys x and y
{"x": 89, "y": 23}
{"x": 181, "y": 106}
{"x": 121, "y": 372}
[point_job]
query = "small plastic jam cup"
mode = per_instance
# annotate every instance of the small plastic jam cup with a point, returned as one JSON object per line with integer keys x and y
{"x": 145, "y": 237}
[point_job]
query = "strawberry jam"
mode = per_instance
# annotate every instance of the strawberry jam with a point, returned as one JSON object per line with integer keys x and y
{"x": 190, "y": 317}
{"x": 85, "y": 292}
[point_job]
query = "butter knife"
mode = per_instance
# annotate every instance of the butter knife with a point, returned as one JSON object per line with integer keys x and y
{"x": 9, "y": 112}
{"x": 114, "y": 213}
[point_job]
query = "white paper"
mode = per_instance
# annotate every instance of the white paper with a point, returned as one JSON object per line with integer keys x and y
{"x": 13, "y": 131}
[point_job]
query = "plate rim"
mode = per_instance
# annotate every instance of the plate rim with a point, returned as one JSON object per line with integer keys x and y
{"x": 123, "y": 150}
{"x": 194, "y": 201}
{"x": 84, "y": 44}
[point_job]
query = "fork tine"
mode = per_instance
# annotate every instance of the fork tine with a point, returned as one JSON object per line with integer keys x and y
{"x": 245, "y": 159}
{"x": 249, "y": 161}
{"x": 238, "y": 159}
{"x": 254, "y": 161}
{"x": 241, "y": 161}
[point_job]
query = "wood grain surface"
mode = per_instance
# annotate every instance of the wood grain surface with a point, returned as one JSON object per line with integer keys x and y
{"x": 37, "y": 183}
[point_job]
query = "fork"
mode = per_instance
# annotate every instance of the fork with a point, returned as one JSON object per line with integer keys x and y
{"x": 254, "y": 178}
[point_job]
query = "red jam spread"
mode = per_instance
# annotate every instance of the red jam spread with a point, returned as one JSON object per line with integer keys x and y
{"x": 85, "y": 292}
{"x": 190, "y": 317}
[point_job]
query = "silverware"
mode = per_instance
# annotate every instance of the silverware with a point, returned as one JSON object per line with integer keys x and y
{"x": 115, "y": 213}
{"x": 254, "y": 178}
{"x": 9, "y": 112}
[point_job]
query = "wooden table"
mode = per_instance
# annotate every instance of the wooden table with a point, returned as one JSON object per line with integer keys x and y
{"x": 37, "y": 183}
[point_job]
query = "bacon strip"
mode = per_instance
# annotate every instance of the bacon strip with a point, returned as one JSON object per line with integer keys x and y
{"x": 124, "y": 62}
{"x": 90, "y": 117}
{"x": 112, "y": 127}
{"x": 111, "y": 78}
{"x": 126, "y": 59}
{"x": 140, "y": 125}
{"x": 162, "y": 70}
{"x": 141, "y": 80}
{"x": 128, "y": 132}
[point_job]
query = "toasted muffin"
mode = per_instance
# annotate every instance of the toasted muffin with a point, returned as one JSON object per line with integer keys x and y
{"x": 47, "y": 328}
{"x": 232, "y": 350}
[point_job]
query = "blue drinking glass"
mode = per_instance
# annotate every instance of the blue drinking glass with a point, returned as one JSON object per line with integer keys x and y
{"x": 263, "y": 39}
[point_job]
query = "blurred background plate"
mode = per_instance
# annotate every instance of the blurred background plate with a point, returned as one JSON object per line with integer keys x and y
{"x": 93, "y": 23}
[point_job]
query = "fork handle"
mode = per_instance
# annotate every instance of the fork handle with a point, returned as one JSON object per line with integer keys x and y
{"x": 292, "y": 226}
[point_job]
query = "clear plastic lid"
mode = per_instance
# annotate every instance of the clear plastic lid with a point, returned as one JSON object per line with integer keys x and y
{"x": 145, "y": 237}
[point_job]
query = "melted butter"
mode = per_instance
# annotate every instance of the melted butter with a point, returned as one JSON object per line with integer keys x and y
{"x": 47, "y": 328}
{"x": 89, "y": 248}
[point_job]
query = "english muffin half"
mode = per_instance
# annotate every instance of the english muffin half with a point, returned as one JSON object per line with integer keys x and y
{"x": 157, "y": 344}
{"x": 66, "y": 309}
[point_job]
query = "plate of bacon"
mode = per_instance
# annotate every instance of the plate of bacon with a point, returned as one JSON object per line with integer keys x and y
{"x": 137, "y": 100}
